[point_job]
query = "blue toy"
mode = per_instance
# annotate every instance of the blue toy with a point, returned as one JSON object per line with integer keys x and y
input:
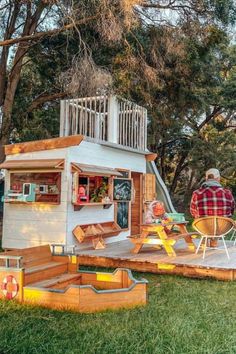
{"x": 28, "y": 194}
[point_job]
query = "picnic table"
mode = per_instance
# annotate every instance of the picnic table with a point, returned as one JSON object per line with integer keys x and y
{"x": 165, "y": 236}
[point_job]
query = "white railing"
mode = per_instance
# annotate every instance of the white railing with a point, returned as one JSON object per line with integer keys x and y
{"x": 132, "y": 125}
{"x": 86, "y": 116}
{"x": 9, "y": 261}
{"x": 105, "y": 118}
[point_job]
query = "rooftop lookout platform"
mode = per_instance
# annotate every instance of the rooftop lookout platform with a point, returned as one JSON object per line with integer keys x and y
{"x": 105, "y": 119}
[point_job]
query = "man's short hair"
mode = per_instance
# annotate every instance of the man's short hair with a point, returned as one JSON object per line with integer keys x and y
{"x": 212, "y": 173}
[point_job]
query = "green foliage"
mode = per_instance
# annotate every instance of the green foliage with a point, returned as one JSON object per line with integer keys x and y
{"x": 189, "y": 83}
{"x": 40, "y": 76}
{"x": 224, "y": 10}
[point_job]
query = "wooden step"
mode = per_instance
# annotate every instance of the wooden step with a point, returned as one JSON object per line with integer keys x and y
{"x": 63, "y": 279}
{"x": 41, "y": 267}
{"x": 44, "y": 271}
{"x": 33, "y": 256}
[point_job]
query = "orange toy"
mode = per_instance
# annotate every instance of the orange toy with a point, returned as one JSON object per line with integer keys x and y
{"x": 158, "y": 209}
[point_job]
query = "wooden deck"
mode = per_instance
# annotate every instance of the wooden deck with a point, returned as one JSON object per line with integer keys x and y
{"x": 215, "y": 265}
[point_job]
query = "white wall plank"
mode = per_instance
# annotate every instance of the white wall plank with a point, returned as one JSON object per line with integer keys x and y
{"x": 46, "y": 231}
{"x": 96, "y": 154}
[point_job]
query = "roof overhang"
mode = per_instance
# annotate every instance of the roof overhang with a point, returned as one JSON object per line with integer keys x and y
{"x": 40, "y": 145}
{"x": 151, "y": 156}
{"x": 93, "y": 170}
{"x": 33, "y": 164}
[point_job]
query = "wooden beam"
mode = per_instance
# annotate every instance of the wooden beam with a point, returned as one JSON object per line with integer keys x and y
{"x": 151, "y": 156}
{"x": 33, "y": 164}
{"x": 144, "y": 265}
{"x": 40, "y": 145}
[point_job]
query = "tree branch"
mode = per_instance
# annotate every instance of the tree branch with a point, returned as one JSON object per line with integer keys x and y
{"x": 173, "y": 141}
{"x": 47, "y": 33}
{"x": 216, "y": 111}
{"x": 172, "y": 5}
{"x": 180, "y": 167}
{"x": 230, "y": 127}
{"x": 41, "y": 99}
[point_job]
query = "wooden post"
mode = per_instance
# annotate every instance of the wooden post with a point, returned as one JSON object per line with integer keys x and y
{"x": 66, "y": 117}
{"x": 73, "y": 264}
{"x": 145, "y": 129}
{"x": 113, "y": 114}
{"x": 21, "y": 284}
{"x": 62, "y": 118}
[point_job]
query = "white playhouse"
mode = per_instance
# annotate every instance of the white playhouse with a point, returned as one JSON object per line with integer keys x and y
{"x": 88, "y": 187}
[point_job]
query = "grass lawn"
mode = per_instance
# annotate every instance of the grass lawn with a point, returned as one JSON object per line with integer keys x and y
{"x": 183, "y": 316}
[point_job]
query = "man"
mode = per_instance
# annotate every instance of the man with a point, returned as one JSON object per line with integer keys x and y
{"x": 212, "y": 199}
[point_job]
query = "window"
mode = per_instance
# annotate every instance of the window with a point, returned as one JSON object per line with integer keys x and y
{"x": 90, "y": 189}
{"x": 44, "y": 187}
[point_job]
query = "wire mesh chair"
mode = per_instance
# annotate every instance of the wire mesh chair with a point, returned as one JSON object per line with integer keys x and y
{"x": 213, "y": 227}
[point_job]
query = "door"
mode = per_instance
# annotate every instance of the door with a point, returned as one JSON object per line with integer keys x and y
{"x": 149, "y": 187}
{"x": 137, "y": 203}
{"x": 149, "y": 190}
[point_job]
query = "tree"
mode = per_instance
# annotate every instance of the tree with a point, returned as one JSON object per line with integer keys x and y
{"x": 188, "y": 85}
{"x": 180, "y": 67}
{"x": 25, "y": 23}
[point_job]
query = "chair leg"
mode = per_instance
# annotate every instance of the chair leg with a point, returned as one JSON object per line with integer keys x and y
{"x": 226, "y": 249}
{"x": 205, "y": 246}
{"x": 233, "y": 237}
{"x": 199, "y": 245}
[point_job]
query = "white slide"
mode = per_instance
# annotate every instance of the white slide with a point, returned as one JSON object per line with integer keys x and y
{"x": 161, "y": 189}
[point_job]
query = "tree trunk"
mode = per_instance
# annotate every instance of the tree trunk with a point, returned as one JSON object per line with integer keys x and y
{"x": 163, "y": 170}
{"x": 14, "y": 76}
{"x": 181, "y": 165}
{"x": 188, "y": 191}
{"x": 5, "y": 51}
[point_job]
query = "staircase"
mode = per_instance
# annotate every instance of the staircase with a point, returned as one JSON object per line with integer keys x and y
{"x": 43, "y": 270}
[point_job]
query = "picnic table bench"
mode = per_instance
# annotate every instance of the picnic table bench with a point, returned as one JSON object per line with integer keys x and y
{"x": 157, "y": 236}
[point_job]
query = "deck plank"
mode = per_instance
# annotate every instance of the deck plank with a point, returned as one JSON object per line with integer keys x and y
{"x": 215, "y": 264}
{"x": 55, "y": 280}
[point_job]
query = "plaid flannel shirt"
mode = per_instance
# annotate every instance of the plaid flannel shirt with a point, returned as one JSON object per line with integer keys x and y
{"x": 212, "y": 200}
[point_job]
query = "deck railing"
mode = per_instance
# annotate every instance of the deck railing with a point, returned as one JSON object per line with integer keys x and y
{"x": 105, "y": 118}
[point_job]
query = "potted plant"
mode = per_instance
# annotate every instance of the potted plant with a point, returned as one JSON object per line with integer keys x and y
{"x": 100, "y": 193}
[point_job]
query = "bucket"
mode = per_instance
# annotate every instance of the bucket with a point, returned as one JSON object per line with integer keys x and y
{"x": 176, "y": 216}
